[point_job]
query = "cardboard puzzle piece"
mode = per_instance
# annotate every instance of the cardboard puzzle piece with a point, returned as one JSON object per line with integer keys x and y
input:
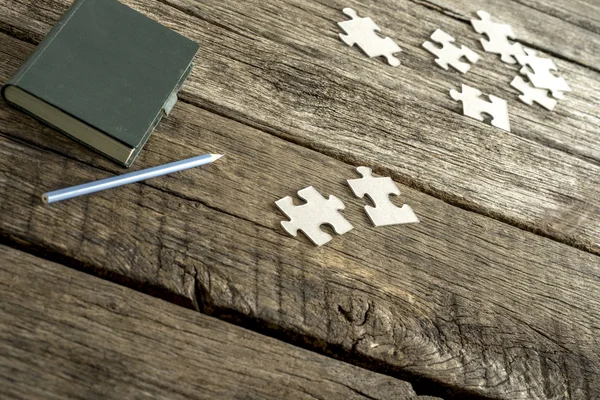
{"x": 362, "y": 32}
{"x": 498, "y": 35}
{"x": 474, "y": 106}
{"x": 542, "y": 76}
{"x": 531, "y": 94}
{"x": 309, "y": 217}
{"x": 379, "y": 190}
{"x": 449, "y": 54}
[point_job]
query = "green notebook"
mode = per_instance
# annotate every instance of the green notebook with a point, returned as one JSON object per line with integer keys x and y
{"x": 104, "y": 75}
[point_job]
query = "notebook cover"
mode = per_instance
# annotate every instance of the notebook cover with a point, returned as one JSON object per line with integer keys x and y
{"x": 109, "y": 66}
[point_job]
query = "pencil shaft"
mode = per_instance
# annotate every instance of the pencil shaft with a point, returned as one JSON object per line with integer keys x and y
{"x": 137, "y": 176}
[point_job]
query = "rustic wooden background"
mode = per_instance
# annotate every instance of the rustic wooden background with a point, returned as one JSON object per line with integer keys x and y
{"x": 495, "y": 294}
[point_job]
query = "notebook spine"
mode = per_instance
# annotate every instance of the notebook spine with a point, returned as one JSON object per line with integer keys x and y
{"x": 39, "y": 50}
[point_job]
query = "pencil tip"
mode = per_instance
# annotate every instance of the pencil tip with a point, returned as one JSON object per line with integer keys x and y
{"x": 215, "y": 157}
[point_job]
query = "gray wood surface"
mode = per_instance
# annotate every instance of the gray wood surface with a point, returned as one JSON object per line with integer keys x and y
{"x": 459, "y": 299}
{"x": 466, "y": 304}
{"x": 68, "y": 335}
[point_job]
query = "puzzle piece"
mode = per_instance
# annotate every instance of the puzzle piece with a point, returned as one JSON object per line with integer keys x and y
{"x": 379, "y": 190}
{"x": 450, "y": 54}
{"x": 531, "y": 94}
{"x": 309, "y": 217}
{"x": 474, "y": 106}
{"x": 361, "y": 31}
{"x": 498, "y": 35}
{"x": 542, "y": 76}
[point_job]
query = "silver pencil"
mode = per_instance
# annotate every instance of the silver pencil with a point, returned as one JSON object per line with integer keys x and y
{"x": 109, "y": 183}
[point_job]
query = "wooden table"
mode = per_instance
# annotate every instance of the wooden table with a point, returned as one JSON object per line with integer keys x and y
{"x": 495, "y": 294}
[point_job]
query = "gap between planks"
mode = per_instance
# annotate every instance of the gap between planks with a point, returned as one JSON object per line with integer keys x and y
{"x": 75, "y": 335}
{"x": 424, "y": 387}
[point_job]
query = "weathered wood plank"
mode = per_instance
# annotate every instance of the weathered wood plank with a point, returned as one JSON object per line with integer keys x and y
{"x": 460, "y": 299}
{"x": 67, "y": 335}
{"x": 584, "y": 13}
{"x": 566, "y": 28}
{"x": 276, "y": 65}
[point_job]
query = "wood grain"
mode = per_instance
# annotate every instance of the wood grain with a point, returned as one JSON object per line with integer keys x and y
{"x": 68, "y": 335}
{"x": 279, "y": 66}
{"x": 584, "y": 13}
{"x": 463, "y": 302}
{"x": 569, "y": 29}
